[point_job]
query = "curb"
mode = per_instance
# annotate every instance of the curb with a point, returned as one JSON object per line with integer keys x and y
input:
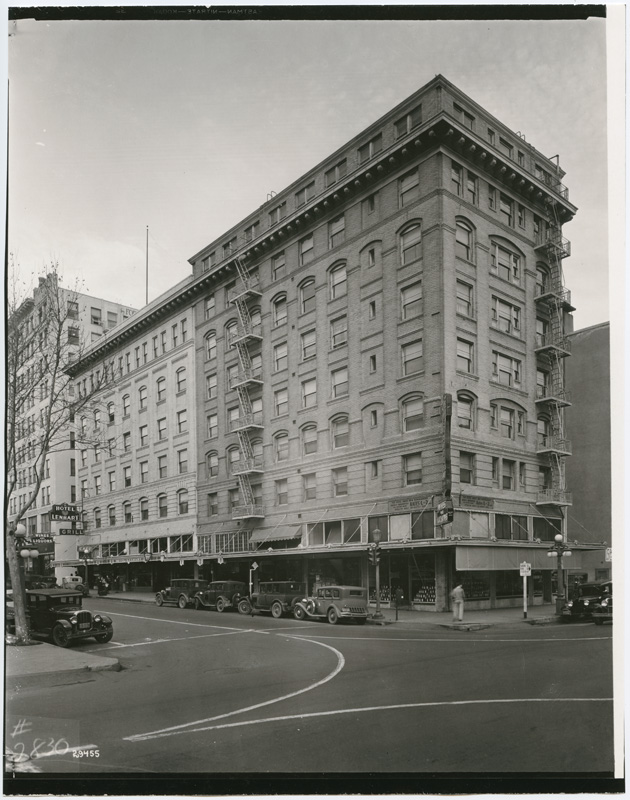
{"x": 29, "y": 679}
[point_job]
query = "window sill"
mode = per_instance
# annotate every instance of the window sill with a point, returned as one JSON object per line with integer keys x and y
{"x": 468, "y": 375}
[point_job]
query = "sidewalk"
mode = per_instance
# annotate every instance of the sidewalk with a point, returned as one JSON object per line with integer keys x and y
{"x": 495, "y": 616}
{"x": 30, "y": 665}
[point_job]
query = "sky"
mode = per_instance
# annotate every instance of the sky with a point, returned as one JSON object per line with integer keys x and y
{"x": 187, "y": 126}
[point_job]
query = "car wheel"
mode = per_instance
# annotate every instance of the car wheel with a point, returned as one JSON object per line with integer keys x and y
{"x": 244, "y": 606}
{"x": 197, "y": 604}
{"x": 102, "y": 638}
{"x": 182, "y": 602}
{"x": 332, "y": 616}
{"x": 299, "y": 613}
{"x": 159, "y": 599}
{"x": 276, "y": 610}
{"x": 60, "y": 636}
{"x": 220, "y": 604}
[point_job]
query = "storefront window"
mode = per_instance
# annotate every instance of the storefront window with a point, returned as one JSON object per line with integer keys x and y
{"x": 423, "y": 579}
{"x": 545, "y": 529}
{"x": 382, "y": 523}
{"x": 422, "y": 526}
{"x": 509, "y": 583}
{"x": 476, "y": 585}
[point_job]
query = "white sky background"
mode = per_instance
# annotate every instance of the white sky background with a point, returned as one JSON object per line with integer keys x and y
{"x": 187, "y": 126}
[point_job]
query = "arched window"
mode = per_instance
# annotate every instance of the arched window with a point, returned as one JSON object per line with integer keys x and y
{"x": 97, "y": 517}
{"x": 340, "y": 431}
{"x": 338, "y": 281}
{"x": 111, "y": 413}
{"x": 144, "y": 508}
{"x": 161, "y": 389}
{"x": 180, "y": 376}
{"x": 281, "y": 446}
{"x": 162, "y": 506}
{"x": 212, "y": 464}
{"x": 111, "y": 515}
{"x": 307, "y": 296}
{"x": 256, "y": 320}
{"x": 97, "y": 419}
{"x": 412, "y": 413}
{"x": 309, "y": 439}
{"x": 231, "y": 331}
{"x": 280, "y": 310}
{"x": 233, "y": 459}
{"x": 182, "y": 501}
{"x": 142, "y": 397}
{"x": 126, "y": 405}
{"x": 464, "y": 240}
{"x": 411, "y": 243}
{"x": 465, "y": 411}
{"x": 127, "y": 512}
{"x": 257, "y": 451}
{"x": 211, "y": 345}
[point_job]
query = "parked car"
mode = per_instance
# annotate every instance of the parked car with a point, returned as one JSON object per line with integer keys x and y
{"x": 181, "y": 591}
{"x": 40, "y": 582}
{"x": 276, "y": 597}
{"x": 58, "y": 613}
{"x": 75, "y": 582}
{"x": 221, "y": 595}
{"x": 334, "y": 603}
{"x": 603, "y": 611}
{"x": 588, "y": 596}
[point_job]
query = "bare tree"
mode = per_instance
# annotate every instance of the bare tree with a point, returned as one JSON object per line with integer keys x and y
{"x": 43, "y": 338}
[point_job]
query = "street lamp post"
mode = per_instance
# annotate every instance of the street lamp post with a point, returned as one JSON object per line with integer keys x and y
{"x": 559, "y": 549}
{"x": 252, "y": 569}
{"x": 375, "y": 558}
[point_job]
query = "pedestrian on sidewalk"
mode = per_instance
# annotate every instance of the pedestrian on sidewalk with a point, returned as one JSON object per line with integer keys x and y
{"x": 457, "y": 597}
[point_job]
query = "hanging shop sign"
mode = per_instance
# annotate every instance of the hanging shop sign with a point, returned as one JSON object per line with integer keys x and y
{"x": 445, "y": 512}
{"x": 65, "y": 512}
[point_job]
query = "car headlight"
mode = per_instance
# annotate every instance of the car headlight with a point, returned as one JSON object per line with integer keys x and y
{"x": 586, "y": 602}
{"x": 97, "y": 618}
{"x": 604, "y": 603}
{"x": 570, "y": 604}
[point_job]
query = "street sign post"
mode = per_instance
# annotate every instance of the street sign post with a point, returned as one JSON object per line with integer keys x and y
{"x": 526, "y": 571}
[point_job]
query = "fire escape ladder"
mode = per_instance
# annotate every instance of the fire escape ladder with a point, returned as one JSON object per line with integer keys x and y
{"x": 244, "y": 360}
{"x": 244, "y": 402}
{"x": 245, "y": 488}
{"x": 245, "y": 446}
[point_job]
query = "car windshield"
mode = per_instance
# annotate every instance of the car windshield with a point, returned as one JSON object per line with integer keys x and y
{"x": 591, "y": 591}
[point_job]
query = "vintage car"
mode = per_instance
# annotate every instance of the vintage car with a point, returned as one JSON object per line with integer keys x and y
{"x": 221, "y": 595}
{"x": 76, "y": 583}
{"x": 276, "y": 597}
{"x": 58, "y": 613}
{"x": 32, "y": 581}
{"x": 603, "y": 611}
{"x": 181, "y": 591}
{"x": 588, "y": 596}
{"x": 334, "y": 603}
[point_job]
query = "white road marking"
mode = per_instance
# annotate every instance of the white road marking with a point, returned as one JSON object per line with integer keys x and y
{"x": 452, "y": 641}
{"x": 164, "y": 641}
{"x": 173, "y": 732}
{"x": 179, "y": 728}
{"x": 175, "y": 621}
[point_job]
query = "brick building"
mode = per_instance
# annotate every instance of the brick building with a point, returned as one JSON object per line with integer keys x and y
{"x": 386, "y": 334}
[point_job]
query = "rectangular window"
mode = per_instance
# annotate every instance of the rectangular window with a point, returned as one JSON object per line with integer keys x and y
{"x": 309, "y": 440}
{"x": 339, "y": 382}
{"x": 309, "y": 344}
{"x": 370, "y": 149}
{"x": 456, "y": 178}
{"x": 472, "y": 183}
{"x": 506, "y": 423}
{"x": 144, "y": 435}
{"x": 161, "y": 424}
{"x": 336, "y": 231}
{"x": 509, "y": 474}
{"x": 465, "y": 354}
{"x": 251, "y": 231}
{"x": 464, "y": 299}
{"x": 126, "y": 477}
{"x": 340, "y": 481}
{"x": 95, "y": 316}
{"x": 506, "y": 209}
{"x": 338, "y": 332}
{"x": 213, "y": 428}
{"x": 411, "y": 300}
{"x": 490, "y": 135}
{"x": 304, "y": 195}
{"x": 155, "y": 347}
{"x": 211, "y": 387}
{"x": 492, "y": 198}
{"x": 97, "y": 484}
{"x": 174, "y": 335}
{"x": 182, "y": 461}
{"x": 229, "y": 248}
{"x": 112, "y": 481}
{"x": 280, "y": 356}
{"x": 464, "y": 117}
{"x": 506, "y": 317}
{"x": 505, "y": 369}
{"x": 372, "y": 363}
{"x": 281, "y": 401}
{"x": 338, "y": 282}
{"x": 73, "y": 309}
{"x": 277, "y": 214}
{"x": 144, "y": 471}
{"x": 412, "y": 357}
{"x": 278, "y": 266}
{"x": 412, "y": 468}
{"x": 505, "y": 263}
{"x": 213, "y": 504}
{"x": 372, "y": 309}
{"x": 309, "y": 486}
{"x": 407, "y": 123}
{"x": 336, "y": 173}
{"x": 306, "y": 249}
{"x": 413, "y": 414}
{"x": 495, "y": 470}
{"x": 521, "y": 215}
{"x": 409, "y": 188}
{"x": 280, "y": 311}
{"x": 506, "y": 147}
{"x": 209, "y": 307}
{"x": 373, "y": 418}
{"x": 309, "y": 393}
{"x": 126, "y": 442}
{"x": 162, "y": 467}
{"x": 466, "y": 467}
{"x": 465, "y": 412}
{"x": 282, "y": 493}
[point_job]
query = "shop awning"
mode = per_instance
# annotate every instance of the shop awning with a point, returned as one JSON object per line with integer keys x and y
{"x": 262, "y": 535}
{"x": 509, "y": 557}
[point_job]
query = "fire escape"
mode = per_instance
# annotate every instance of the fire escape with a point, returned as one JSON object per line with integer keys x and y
{"x": 248, "y": 378}
{"x": 552, "y": 347}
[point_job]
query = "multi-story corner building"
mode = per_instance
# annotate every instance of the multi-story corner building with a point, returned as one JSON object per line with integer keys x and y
{"x": 385, "y": 336}
{"x": 137, "y": 484}
{"x": 589, "y": 471}
{"x": 83, "y": 319}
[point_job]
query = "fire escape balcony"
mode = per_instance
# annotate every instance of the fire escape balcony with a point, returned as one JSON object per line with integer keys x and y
{"x": 245, "y": 288}
{"x": 246, "y": 466}
{"x": 247, "y": 375}
{"x": 548, "y": 342}
{"x": 555, "y": 395}
{"x": 552, "y": 241}
{"x": 554, "y": 295}
{"x": 248, "y": 511}
{"x": 245, "y": 333}
{"x": 554, "y": 497}
{"x": 553, "y": 444}
{"x": 247, "y": 420}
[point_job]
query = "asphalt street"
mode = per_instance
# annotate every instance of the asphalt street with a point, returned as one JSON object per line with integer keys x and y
{"x": 202, "y": 692}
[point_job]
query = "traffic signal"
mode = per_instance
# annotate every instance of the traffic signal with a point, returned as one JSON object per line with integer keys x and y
{"x": 375, "y": 555}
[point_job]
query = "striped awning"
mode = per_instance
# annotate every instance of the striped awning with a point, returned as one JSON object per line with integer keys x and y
{"x": 262, "y": 535}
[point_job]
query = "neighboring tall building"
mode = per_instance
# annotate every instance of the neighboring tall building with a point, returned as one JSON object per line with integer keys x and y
{"x": 385, "y": 334}
{"x": 588, "y": 425}
{"x": 86, "y": 319}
